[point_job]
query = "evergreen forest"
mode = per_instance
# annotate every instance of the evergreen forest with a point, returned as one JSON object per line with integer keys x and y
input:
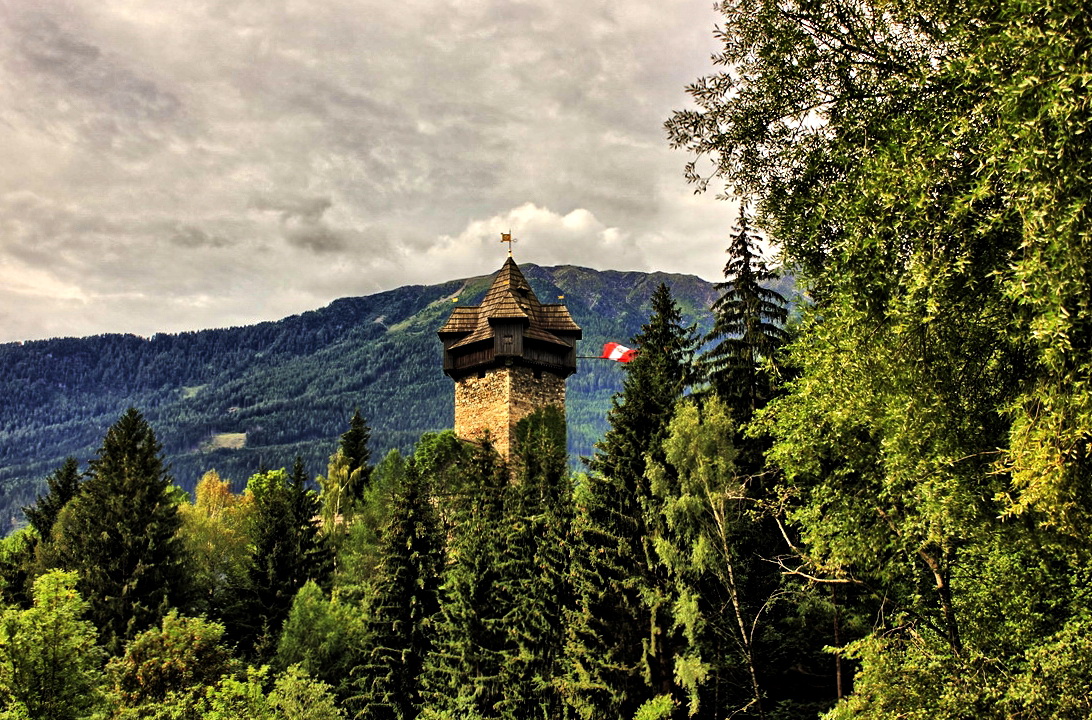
{"x": 252, "y": 398}
{"x": 875, "y": 504}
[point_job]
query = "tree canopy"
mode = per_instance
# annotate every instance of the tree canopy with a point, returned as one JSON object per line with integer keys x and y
{"x": 120, "y": 534}
{"x": 922, "y": 168}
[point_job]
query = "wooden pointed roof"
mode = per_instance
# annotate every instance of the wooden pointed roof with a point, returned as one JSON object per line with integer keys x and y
{"x": 509, "y": 298}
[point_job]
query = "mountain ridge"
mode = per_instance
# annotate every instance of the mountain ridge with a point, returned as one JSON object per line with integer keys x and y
{"x": 246, "y": 397}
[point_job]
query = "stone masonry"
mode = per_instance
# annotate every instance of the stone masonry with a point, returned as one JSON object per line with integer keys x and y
{"x": 509, "y": 356}
{"x": 504, "y": 396}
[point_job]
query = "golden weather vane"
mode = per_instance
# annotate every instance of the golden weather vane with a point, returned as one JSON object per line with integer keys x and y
{"x": 507, "y": 238}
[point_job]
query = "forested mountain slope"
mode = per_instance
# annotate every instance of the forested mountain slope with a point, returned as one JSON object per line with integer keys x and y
{"x": 244, "y": 398}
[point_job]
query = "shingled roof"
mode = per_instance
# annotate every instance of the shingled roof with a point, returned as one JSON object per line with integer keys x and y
{"x": 510, "y": 297}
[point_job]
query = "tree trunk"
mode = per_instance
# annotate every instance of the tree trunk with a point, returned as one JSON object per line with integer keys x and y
{"x": 837, "y": 643}
{"x": 737, "y": 607}
{"x": 944, "y": 594}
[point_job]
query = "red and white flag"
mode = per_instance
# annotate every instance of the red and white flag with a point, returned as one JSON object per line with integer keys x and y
{"x": 621, "y": 353}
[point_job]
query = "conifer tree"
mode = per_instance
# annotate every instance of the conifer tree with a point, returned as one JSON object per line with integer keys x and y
{"x": 62, "y": 486}
{"x": 120, "y": 535}
{"x": 463, "y": 678}
{"x": 27, "y": 554}
{"x": 404, "y": 606}
{"x": 656, "y": 378}
{"x": 748, "y": 325}
{"x": 288, "y": 551}
{"x": 534, "y": 569}
{"x": 354, "y": 446}
{"x": 617, "y": 646}
{"x": 358, "y": 546}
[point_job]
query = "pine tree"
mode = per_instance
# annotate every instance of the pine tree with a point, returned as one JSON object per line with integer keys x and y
{"x": 62, "y": 486}
{"x": 27, "y": 554}
{"x": 533, "y": 569}
{"x": 617, "y": 647}
{"x": 655, "y": 380}
{"x": 357, "y": 546}
{"x": 748, "y": 333}
{"x": 120, "y": 535}
{"x": 404, "y": 607}
{"x": 288, "y": 551}
{"x": 354, "y": 446}
{"x": 748, "y": 326}
{"x": 36, "y": 555}
{"x": 463, "y": 678}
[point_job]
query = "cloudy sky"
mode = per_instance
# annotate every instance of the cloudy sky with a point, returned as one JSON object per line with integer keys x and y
{"x": 177, "y": 165}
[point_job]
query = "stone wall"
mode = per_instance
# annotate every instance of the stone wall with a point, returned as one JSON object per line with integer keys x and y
{"x": 496, "y": 402}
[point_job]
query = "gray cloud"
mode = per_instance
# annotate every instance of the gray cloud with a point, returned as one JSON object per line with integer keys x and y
{"x": 302, "y": 222}
{"x": 223, "y": 162}
{"x": 307, "y": 209}
{"x": 188, "y": 236}
{"x": 316, "y": 239}
{"x": 74, "y": 85}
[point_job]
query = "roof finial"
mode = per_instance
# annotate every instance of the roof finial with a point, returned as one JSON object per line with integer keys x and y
{"x": 507, "y": 238}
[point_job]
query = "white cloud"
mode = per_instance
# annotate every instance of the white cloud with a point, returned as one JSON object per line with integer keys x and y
{"x": 542, "y": 236}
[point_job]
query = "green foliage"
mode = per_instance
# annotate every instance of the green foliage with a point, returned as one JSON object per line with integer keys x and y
{"x": 709, "y": 515}
{"x": 17, "y": 566}
{"x": 619, "y": 631}
{"x": 337, "y": 496}
{"x": 747, "y": 327}
{"x": 751, "y": 642}
{"x": 170, "y": 665}
{"x": 240, "y": 699}
{"x": 354, "y": 446}
{"x": 359, "y": 547}
{"x": 928, "y": 187}
{"x": 347, "y": 480}
{"x": 405, "y": 605}
{"x": 288, "y": 386}
{"x": 463, "y": 674}
{"x": 287, "y": 551}
{"x": 294, "y": 696}
{"x": 62, "y": 486}
{"x": 500, "y": 638}
{"x": 661, "y": 707}
{"x": 324, "y": 637}
{"x": 453, "y": 469}
{"x": 297, "y": 696}
{"x": 914, "y": 677}
{"x": 533, "y": 570}
{"x": 1056, "y": 679}
{"x": 214, "y": 533}
{"x": 655, "y": 380}
{"x": 119, "y": 535}
{"x": 49, "y": 660}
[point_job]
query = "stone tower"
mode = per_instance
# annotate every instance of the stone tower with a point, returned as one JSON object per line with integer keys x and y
{"x": 508, "y": 357}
